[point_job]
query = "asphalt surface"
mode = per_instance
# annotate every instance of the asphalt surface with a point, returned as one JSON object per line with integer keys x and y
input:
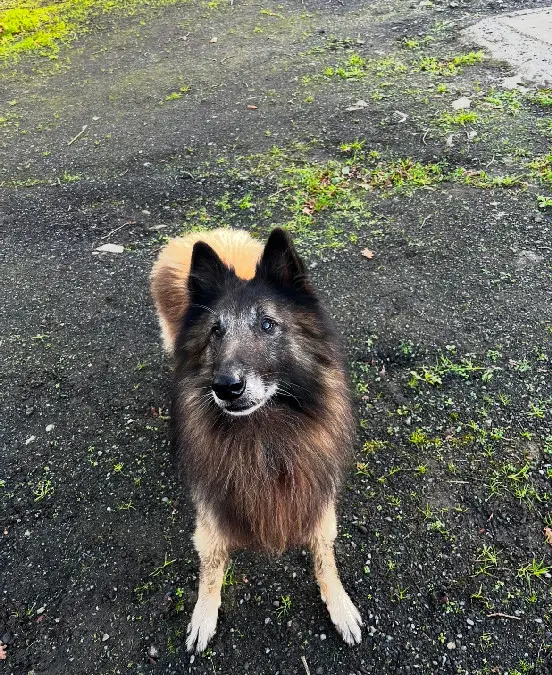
{"x": 448, "y": 327}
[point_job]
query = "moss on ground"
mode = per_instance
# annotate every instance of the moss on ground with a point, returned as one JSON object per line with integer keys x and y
{"x": 43, "y": 27}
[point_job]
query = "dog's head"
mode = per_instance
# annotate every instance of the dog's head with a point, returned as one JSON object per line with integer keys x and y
{"x": 251, "y": 343}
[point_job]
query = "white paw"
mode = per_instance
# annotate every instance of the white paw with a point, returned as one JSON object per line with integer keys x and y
{"x": 203, "y": 625}
{"x": 345, "y": 617}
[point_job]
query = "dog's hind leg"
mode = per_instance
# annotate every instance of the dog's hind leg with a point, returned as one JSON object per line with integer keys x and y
{"x": 213, "y": 556}
{"x": 343, "y": 613}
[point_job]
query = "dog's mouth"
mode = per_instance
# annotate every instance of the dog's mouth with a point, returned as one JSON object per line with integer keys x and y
{"x": 245, "y": 404}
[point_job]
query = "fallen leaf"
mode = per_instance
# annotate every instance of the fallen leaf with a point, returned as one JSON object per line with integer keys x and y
{"x": 548, "y": 535}
{"x": 252, "y": 107}
{"x": 3, "y": 655}
{"x": 367, "y": 253}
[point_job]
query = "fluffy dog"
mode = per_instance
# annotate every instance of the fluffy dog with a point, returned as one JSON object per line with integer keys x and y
{"x": 261, "y": 413}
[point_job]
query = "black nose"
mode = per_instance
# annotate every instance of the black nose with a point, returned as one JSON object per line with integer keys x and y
{"x": 228, "y": 387}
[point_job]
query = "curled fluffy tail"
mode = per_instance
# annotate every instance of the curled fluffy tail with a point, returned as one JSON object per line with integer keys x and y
{"x": 169, "y": 276}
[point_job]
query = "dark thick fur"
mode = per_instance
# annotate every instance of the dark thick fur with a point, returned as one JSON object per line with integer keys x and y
{"x": 267, "y": 477}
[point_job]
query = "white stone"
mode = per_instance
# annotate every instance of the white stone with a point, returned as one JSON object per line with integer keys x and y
{"x": 462, "y": 103}
{"x": 110, "y": 248}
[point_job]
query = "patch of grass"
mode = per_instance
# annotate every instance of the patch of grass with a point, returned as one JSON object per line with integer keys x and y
{"x": 40, "y": 28}
{"x": 67, "y": 177}
{"x": 313, "y": 199}
{"x": 509, "y": 101}
{"x": 371, "y": 447}
{"x": 478, "y": 595}
{"x": 486, "y": 560}
{"x": 541, "y": 168}
{"x": 43, "y": 489}
{"x": 246, "y": 202}
{"x": 356, "y": 67}
{"x": 285, "y": 606}
{"x": 481, "y": 179}
{"x": 229, "y": 578}
{"x": 404, "y": 175}
{"x": 452, "y": 66}
{"x": 160, "y": 568}
{"x": 533, "y": 570}
{"x": 459, "y": 118}
{"x": 175, "y": 95}
{"x": 464, "y": 368}
{"x": 542, "y": 97}
{"x": 400, "y": 594}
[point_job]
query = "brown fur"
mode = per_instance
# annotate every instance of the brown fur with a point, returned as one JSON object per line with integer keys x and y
{"x": 264, "y": 493}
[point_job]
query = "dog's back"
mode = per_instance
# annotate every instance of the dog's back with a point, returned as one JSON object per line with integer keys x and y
{"x": 169, "y": 277}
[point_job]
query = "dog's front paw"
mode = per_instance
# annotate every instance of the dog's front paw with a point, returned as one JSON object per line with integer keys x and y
{"x": 203, "y": 625}
{"x": 346, "y": 618}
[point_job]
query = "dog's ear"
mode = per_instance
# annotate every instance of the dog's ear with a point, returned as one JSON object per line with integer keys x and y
{"x": 280, "y": 264}
{"x": 207, "y": 273}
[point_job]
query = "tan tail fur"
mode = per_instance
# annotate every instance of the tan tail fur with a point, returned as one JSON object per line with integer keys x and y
{"x": 169, "y": 277}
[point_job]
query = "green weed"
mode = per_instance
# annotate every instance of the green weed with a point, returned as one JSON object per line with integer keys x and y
{"x": 459, "y": 118}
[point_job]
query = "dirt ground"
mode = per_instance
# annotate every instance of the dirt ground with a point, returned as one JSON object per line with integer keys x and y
{"x": 202, "y": 114}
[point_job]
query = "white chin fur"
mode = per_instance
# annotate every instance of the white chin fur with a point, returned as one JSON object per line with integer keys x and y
{"x": 242, "y": 413}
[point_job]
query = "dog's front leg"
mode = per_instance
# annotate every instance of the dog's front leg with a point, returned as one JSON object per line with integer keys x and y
{"x": 343, "y": 613}
{"x": 213, "y": 557}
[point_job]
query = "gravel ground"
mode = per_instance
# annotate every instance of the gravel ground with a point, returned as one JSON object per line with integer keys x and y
{"x": 342, "y": 122}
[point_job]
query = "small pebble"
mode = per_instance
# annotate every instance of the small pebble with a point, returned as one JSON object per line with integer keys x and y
{"x": 322, "y": 636}
{"x": 109, "y": 248}
{"x": 105, "y": 637}
{"x": 451, "y": 645}
{"x": 50, "y": 427}
{"x": 470, "y": 622}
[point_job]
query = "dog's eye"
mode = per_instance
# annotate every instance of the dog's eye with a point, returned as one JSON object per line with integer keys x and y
{"x": 216, "y": 330}
{"x": 267, "y": 325}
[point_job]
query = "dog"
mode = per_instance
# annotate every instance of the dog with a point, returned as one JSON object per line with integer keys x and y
{"x": 261, "y": 411}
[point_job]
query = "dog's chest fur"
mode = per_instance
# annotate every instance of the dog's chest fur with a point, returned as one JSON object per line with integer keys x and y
{"x": 267, "y": 481}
